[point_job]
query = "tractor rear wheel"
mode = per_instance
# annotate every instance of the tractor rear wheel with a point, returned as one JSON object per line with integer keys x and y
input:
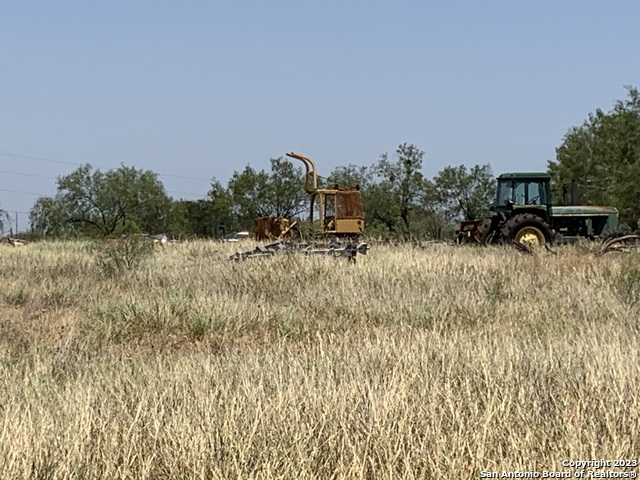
{"x": 528, "y": 229}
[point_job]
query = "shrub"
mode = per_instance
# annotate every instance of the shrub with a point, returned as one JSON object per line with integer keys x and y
{"x": 627, "y": 283}
{"x": 122, "y": 255}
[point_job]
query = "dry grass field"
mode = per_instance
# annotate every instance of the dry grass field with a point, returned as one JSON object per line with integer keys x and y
{"x": 440, "y": 362}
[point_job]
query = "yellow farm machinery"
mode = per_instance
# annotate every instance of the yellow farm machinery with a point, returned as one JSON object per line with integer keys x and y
{"x": 339, "y": 222}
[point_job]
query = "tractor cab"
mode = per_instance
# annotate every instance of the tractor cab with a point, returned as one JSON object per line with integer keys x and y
{"x": 522, "y": 212}
{"x": 522, "y": 191}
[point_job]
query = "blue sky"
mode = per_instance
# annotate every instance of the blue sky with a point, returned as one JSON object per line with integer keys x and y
{"x": 202, "y": 88}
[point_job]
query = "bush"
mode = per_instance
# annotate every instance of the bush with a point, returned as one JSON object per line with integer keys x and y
{"x": 627, "y": 283}
{"x": 121, "y": 255}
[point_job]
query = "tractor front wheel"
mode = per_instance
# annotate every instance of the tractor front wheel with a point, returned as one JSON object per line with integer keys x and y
{"x": 528, "y": 229}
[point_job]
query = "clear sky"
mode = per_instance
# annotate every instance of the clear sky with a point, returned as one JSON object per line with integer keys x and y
{"x": 202, "y": 88}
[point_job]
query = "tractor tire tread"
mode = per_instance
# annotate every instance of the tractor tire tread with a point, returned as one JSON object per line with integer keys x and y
{"x": 508, "y": 229}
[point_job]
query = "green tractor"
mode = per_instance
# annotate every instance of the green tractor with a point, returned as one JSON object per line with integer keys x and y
{"x": 523, "y": 212}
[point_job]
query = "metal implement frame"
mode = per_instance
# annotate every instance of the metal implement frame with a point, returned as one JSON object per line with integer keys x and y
{"x": 350, "y": 250}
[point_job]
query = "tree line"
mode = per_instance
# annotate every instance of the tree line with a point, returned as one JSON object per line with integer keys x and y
{"x": 398, "y": 199}
{"x": 602, "y": 154}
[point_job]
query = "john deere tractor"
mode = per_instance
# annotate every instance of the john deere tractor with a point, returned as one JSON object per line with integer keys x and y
{"x": 523, "y": 212}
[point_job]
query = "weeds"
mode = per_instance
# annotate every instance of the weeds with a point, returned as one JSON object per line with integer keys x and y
{"x": 436, "y": 363}
{"x": 121, "y": 256}
{"x": 495, "y": 290}
{"x": 199, "y": 325}
{"x": 627, "y": 283}
{"x": 17, "y": 297}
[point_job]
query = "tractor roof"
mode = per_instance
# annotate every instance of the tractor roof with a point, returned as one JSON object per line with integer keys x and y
{"x": 525, "y": 175}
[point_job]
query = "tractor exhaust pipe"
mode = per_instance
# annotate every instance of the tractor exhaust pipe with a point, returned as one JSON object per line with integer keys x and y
{"x": 574, "y": 193}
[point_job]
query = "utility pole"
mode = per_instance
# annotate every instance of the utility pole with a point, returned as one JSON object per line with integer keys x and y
{"x": 17, "y": 229}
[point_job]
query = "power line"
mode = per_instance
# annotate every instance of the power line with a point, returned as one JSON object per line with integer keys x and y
{"x": 26, "y": 193}
{"x": 40, "y": 159}
{"x": 41, "y": 195}
{"x": 54, "y": 178}
{"x": 50, "y": 196}
{"x": 182, "y": 177}
{"x": 15, "y": 155}
{"x": 188, "y": 193}
{"x": 27, "y": 175}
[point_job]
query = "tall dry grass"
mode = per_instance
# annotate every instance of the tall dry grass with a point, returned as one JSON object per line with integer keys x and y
{"x": 413, "y": 363}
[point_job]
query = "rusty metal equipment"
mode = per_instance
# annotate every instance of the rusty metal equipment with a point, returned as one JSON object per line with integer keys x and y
{"x": 270, "y": 228}
{"x": 619, "y": 243}
{"x": 341, "y": 213}
{"x": 349, "y": 250}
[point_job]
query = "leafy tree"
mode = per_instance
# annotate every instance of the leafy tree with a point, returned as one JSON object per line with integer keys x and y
{"x": 350, "y": 176}
{"x": 285, "y": 192}
{"x": 393, "y": 194}
{"x": 463, "y": 194}
{"x": 381, "y": 208}
{"x": 255, "y": 194}
{"x": 431, "y": 223}
{"x": 100, "y": 203}
{"x": 248, "y": 194}
{"x": 49, "y": 218}
{"x": 223, "y": 213}
{"x": 400, "y": 187}
{"x": 193, "y": 218}
{"x": 140, "y": 197}
{"x": 603, "y": 156}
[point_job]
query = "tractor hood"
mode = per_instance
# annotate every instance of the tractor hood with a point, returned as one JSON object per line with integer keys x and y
{"x": 587, "y": 211}
{"x": 606, "y": 217}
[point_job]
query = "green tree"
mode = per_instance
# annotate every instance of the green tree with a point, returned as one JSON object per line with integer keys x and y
{"x": 49, "y": 218}
{"x": 350, "y": 176}
{"x": 97, "y": 203}
{"x": 382, "y": 215}
{"x": 285, "y": 193}
{"x": 248, "y": 194}
{"x": 194, "y": 218}
{"x": 463, "y": 194}
{"x": 255, "y": 194}
{"x": 603, "y": 156}
{"x": 223, "y": 212}
{"x": 400, "y": 187}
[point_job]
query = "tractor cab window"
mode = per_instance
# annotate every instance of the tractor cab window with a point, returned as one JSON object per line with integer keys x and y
{"x": 534, "y": 193}
{"x": 520, "y": 193}
{"x": 330, "y": 212}
{"x": 524, "y": 192}
{"x": 505, "y": 193}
